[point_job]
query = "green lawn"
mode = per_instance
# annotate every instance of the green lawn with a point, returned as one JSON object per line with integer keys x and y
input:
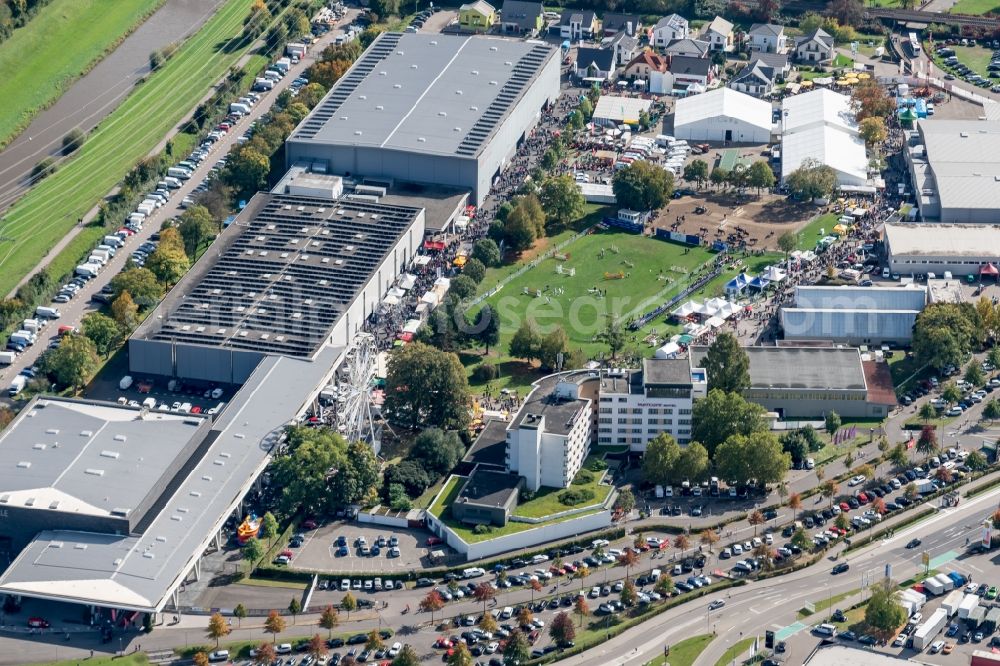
{"x": 975, "y": 7}
{"x": 138, "y": 659}
{"x": 595, "y": 258}
{"x": 37, "y": 67}
{"x": 592, "y": 215}
{"x": 843, "y": 61}
{"x": 269, "y": 582}
{"x": 685, "y": 652}
{"x": 975, "y": 57}
{"x": 447, "y": 498}
{"x": 546, "y": 501}
{"x": 52, "y": 208}
{"x": 828, "y": 602}
{"x": 810, "y": 234}
{"x": 735, "y": 651}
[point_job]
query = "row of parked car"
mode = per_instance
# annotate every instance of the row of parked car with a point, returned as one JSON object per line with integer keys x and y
{"x": 955, "y": 67}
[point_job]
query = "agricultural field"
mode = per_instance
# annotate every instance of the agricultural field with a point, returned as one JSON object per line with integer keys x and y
{"x": 131, "y": 132}
{"x": 35, "y": 65}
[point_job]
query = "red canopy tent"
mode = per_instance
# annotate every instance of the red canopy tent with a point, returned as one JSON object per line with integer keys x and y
{"x": 433, "y": 245}
{"x": 990, "y": 270}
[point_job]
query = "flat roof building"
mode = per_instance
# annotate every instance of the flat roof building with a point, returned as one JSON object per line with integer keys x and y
{"x": 637, "y": 405}
{"x": 955, "y": 169}
{"x": 291, "y": 276}
{"x": 183, "y": 493}
{"x": 961, "y": 249}
{"x": 550, "y": 436}
{"x": 853, "y": 315}
{"x": 433, "y": 109}
{"x": 809, "y": 381}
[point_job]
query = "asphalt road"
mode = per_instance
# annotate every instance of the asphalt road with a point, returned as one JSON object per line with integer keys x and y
{"x": 74, "y": 311}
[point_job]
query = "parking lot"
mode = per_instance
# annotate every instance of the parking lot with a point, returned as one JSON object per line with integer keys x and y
{"x": 319, "y": 551}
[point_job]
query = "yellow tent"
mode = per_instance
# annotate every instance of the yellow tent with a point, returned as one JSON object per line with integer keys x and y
{"x": 460, "y": 261}
{"x": 864, "y": 76}
{"x": 840, "y": 229}
{"x": 807, "y": 84}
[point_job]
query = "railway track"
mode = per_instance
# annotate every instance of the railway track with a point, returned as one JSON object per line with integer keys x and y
{"x": 913, "y": 15}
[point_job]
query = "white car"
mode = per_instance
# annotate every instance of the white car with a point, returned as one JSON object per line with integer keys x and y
{"x": 936, "y": 647}
{"x": 856, "y": 480}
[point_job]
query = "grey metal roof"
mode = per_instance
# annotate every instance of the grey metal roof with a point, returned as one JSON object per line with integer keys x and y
{"x": 281, "y": 276}
{"x": 964, "y": 156}
{"x": 427, "y": 93}
{"x": 690, "y": 65}
{"x": 140, "y": 572}
{"x": 603, "y": 59}
{"x": 845, "y": 297}
{"x": 88, "y": 458}
{"x": 614, "y": 21}
{"x": 817, "y": 368}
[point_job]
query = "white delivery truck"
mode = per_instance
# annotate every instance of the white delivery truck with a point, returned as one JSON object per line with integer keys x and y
{"x": 17, "y": 385}
{"x": 33, "y": 325}
{"x": 112, "y": 250}
{"x": 239, "y": 107}
{"x": 263, "y": 84}
{"x": 137, "y": 218}
{"x": 295, "y": 49}
{"x": 283, "y": 65}
{"x": 945, "y": 581}
{"x": 925, "y": 633}
{"x": 145, "y": 208}
{"x": 968, "y": 603}
{"x": 934, "y": 586}
{"x": 114, "y": 241}
{"x": 7, "y": 357}
{"x": 104, "y": 255}
{"x": 952, "y": 602}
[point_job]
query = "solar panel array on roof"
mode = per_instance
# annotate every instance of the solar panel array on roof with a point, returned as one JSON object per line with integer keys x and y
{"x": 295, "y": 267}
{"x": 524, "y": 71}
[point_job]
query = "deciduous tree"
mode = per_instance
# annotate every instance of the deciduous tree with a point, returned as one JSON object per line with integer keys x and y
{"x": 562, "y": 630}
{"x": 643, "y": 186}
{"x": 72, "y": 363}
{"x": 217, "y": 627}
{"x": 427, "y": 387}
{"x": 103, "y": 331}
{"x": 274, "y": 624}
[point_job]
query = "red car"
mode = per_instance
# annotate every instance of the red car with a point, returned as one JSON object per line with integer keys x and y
{"x": 569, "y": 568}
{"x": 38, "y": 623}
{"x": 287, "y": 553}
{"x": 309, "y": 524}
{"x": 864, "y": 499}
{"x": 434, "y": 540}
{"x": 845, "y": 507}
{"x": 442, "y": 643}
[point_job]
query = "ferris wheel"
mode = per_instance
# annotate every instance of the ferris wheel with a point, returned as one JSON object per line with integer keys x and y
{"x": 354, "y": 392}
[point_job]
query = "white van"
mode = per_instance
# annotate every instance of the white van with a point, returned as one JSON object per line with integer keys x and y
{"x": 47, "y": 313}
{"x": 219, "y": 655}
{"x": 114, "y": 241}
{"x": 825, "y": 630}
{"x": 179, "y": 173}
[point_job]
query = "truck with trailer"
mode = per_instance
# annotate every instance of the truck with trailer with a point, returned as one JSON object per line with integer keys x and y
{"x": 926, "y": 632}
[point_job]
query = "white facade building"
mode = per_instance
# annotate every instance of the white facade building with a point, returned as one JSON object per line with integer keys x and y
{"x": 820, "y": 125}
{"x": 550, "y": 436}
{"x": 637, "y": 405}
{"x": 961, "y": 249}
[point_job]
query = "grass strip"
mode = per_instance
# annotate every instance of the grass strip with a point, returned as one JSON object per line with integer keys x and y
{"x": 130, "y": 133}
{"x": 37, "y": 67}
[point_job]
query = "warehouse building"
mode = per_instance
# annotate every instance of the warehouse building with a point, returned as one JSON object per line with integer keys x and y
{"x": 955, "y": 169}
{"x": 292, "y": 276}
{"x": 854, "y": 315}
{"x": 809, "y": 381}
{"x": 959, "y": 249}
{"x": 820, "y": 125}
{"x": 113, "y": 507}
{"x": 723, "y": 115}
{"x": 433, "y": 109}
